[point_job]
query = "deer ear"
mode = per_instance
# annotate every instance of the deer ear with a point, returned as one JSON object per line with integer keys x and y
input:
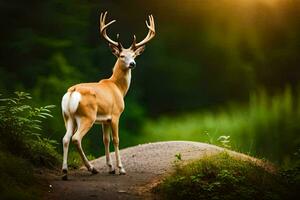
{"x": 139, "y": 50}
{"x": 115, "y": 50}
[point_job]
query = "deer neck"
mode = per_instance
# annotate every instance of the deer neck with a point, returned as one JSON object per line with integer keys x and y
{"x": 121, "y": 77}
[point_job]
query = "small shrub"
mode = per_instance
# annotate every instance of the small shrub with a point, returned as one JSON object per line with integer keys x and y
{"x": 225, "y": 141}
{"x": 224, "y": 177}
{"x": 178, "y": 156}
{"x": 20, "y": 127}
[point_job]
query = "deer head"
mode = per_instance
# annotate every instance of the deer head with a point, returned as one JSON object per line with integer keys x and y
{"x": 126, "y": 56}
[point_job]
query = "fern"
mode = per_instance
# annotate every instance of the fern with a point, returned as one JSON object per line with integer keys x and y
{"x": 20, "y": 129}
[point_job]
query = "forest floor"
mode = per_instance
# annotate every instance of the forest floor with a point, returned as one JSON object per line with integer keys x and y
{"x": 146, "y": 166}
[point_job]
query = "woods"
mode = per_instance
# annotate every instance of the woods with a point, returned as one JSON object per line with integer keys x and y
{"x": 223, "y": 72}
{"x": 207, "y": 56}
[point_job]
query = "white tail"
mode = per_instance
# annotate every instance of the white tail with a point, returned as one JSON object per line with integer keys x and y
{"x": 70, "y": 102}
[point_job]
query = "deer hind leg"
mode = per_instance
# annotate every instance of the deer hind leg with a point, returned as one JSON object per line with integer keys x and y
{"x": 70, "y": 126}
{"x": 84, "y": 124}
{"x": 106, "y": 140}
{"x": 115, "y": 133}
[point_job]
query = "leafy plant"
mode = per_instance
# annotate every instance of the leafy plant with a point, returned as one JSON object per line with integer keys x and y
{"x": 75, "y": 161}
{"x": 225, "y": 141}
{"x": 20, "y": 130}
{"x": 178, "y": 156}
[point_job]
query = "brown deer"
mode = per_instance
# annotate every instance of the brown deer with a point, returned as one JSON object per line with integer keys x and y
{"x": 101, "y": 102}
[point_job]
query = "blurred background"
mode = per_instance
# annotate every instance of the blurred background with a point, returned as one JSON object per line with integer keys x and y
{"x": 216, "y": 68}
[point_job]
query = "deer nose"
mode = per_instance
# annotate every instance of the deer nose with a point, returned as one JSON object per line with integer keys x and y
{"x": 132, "y": 64}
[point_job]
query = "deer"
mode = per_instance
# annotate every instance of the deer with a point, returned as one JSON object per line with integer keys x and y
{"x": 86, "y": 104}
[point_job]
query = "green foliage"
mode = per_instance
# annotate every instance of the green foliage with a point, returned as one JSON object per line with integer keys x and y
{"x": 23, "y": 146}
{"x": 225, "y": 140}
{"x": 20, "y": 127}
{"x": 268, "y": 126}
{"x": 224, "y": 177}
{"x": 178, "y": 156}
{"x": 75, "y": 161}
{"x": 228, "y": 54}
{"x": 221, "y": 55}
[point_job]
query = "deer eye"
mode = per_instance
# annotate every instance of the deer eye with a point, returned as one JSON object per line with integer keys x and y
{"x": 122, "y": 56}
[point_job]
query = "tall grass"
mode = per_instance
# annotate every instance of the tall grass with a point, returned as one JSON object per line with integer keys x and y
{"x": 268, "y": 126}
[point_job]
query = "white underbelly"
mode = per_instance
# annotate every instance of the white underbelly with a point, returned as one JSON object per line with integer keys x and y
{"x": 102, "y": 119}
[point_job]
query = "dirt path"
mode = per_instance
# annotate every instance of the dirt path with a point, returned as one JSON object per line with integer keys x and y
{"x": 145, "y": 165}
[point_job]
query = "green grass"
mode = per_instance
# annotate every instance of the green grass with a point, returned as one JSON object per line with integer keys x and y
{"x": 222, "y": 176}
{"x": 268, "y": 126}
{"x": 75, "y": 161}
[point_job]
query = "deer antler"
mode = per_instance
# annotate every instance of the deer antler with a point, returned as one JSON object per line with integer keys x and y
{"x": 103, "y": 28}
{"x": 150, "y": 35}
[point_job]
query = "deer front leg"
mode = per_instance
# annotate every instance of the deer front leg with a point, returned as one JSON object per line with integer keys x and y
{"x": 115, "y": 133}
{"x": 106, "y": 140}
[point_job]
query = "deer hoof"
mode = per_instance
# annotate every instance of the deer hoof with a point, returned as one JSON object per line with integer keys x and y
{"x": 122, "y": 171}
{"x": 94, "y": 170}
{"x": 64, "y": 177}
{"x": 112, "y": 172}
{"x": 65, "y": 174}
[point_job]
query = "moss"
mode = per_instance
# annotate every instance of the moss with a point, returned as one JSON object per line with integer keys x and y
{"x": 222, "y": 176}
